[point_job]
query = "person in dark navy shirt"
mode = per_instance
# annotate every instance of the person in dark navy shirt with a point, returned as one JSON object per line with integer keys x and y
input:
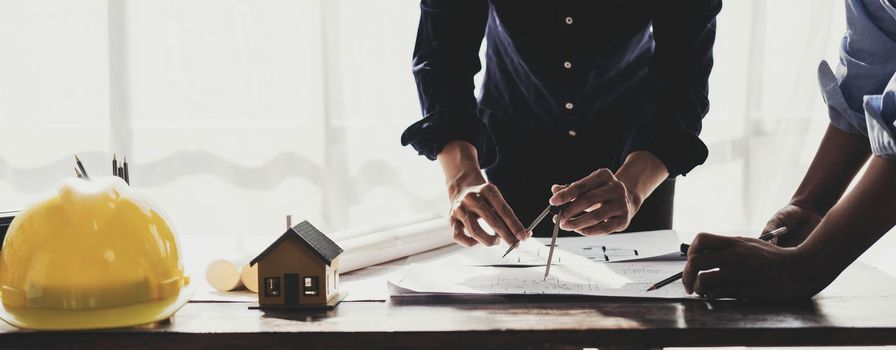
{"x": 606, "y": 96}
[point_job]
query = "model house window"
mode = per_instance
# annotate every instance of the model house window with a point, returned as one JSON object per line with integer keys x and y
{"x": 310, "y": 286}
{"x": 272, "y": 286}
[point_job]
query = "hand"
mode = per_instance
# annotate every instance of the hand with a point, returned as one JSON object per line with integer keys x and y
{"x": 744, "y": 268}
{"x": 478, "y": 199}
{"x": 800, "y": 221}
{"x": 599, "y": 204}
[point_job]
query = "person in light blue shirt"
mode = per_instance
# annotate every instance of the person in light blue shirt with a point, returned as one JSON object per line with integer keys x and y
{"x": 827, "y": 229}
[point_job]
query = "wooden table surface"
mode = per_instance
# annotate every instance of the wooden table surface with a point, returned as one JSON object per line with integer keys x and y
{"x": 859, "y": 309}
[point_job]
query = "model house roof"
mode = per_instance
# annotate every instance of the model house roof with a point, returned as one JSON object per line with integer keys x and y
{"x": 317, "y": 241}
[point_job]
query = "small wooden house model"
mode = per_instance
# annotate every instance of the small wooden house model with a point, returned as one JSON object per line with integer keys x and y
{"x": 299, "y": 270}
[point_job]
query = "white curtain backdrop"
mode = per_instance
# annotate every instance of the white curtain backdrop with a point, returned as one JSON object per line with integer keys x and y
{"x": 235, "y": 113}
{"x": 766, "y": 113}
{"x": 232, "y": 113}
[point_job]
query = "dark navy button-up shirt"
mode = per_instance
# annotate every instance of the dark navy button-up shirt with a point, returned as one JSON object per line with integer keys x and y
{"x": 550, "y": 65}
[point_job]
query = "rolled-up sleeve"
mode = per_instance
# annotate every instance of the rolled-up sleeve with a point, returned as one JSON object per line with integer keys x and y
{"x": 446, "y": 57}
{"x": 684, "y": 33}
{"x": 880, "y": 115}
{"x": 852, "y": 91}
{"x": 841, "y": 115}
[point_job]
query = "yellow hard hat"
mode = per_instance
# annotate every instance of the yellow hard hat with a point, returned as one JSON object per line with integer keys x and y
{"x": 95, "y": 254}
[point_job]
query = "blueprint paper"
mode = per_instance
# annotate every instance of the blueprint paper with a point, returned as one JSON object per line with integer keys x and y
{"x": 609, "y": 280}
{"x": 587, "y": 266}
{"x": 619, "y": 247}
{"x": 649, "y": 245}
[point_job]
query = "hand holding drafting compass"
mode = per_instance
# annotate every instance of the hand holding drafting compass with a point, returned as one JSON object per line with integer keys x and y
{"x": 556, "y": 210}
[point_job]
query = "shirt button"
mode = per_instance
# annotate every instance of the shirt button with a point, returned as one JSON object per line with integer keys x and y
{"x": 569, "y": 105}
{"x": 568, "y": 20}
{"x": 567, "y": 64}
{"x": 572, "y": 133}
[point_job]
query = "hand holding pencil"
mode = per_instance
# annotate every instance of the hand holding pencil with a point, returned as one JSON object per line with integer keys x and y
{"x": 686, "y": 249}
{"x": 800, "y": 220}
{"x": 740, "y": 267}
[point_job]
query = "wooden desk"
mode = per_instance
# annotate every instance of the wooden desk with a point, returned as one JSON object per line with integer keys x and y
{"x": 859, "y": 309}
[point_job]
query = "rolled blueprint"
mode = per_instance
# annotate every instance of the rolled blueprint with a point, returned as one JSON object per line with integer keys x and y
{"x": 375, "y": 248}
{"x": 249, "y": 277}
{"x": 224, "y": 274}
{"x": 343, "y": 235}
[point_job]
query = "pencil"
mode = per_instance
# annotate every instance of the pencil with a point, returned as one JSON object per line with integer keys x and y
{"x": 81, "y": 166}
{"x": 666, "y": 281}
{"x": 114, "y": 165}
{"x": 768, "y": 236}
{"x": 127, "y": 177}
{"x": 684, "y": 248}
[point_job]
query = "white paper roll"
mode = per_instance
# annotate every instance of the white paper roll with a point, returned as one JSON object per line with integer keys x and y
{"x": 223, "y": 275}
{"x": 249, "y": 277}
{"x": 380, "y": 247}
{"x": 343, "y": 235}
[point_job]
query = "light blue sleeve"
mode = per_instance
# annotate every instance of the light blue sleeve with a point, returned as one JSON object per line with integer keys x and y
{"x": 867, "y": 61}
{"x": 880, "y": 114}
{"x": 842, "y": 117}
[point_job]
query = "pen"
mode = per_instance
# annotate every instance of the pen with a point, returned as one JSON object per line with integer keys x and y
{"x": 684, "y": 250}
{"x": 114, "y": 166}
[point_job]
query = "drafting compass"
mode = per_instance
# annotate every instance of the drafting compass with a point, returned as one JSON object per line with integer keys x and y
{"x": 556, "y": 210}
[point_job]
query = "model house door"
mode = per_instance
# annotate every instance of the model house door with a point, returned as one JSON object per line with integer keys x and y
{"x": 291, "y": 289}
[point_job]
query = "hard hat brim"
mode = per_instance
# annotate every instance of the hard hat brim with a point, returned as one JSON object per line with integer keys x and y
{"x": 113, "y": 317}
